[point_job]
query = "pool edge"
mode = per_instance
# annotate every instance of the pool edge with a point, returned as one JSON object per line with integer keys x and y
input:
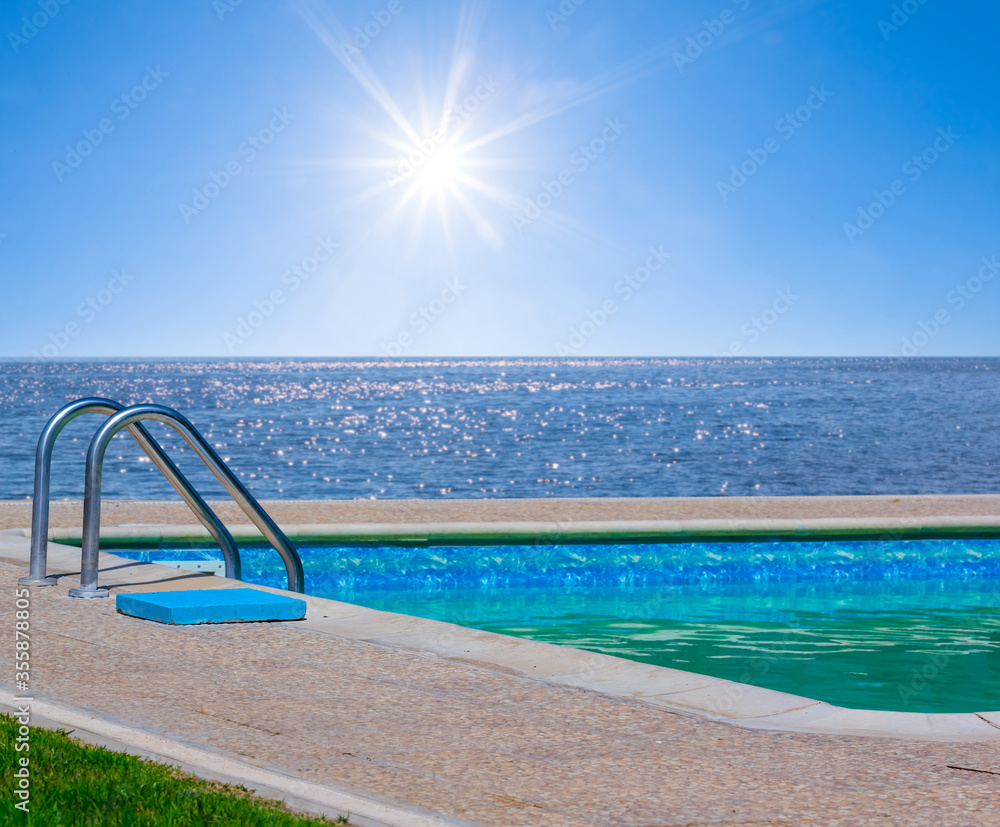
{"x": 440, "y": 533}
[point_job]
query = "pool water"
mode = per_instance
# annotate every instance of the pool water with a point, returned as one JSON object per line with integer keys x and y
{"x": 899, "y": 625}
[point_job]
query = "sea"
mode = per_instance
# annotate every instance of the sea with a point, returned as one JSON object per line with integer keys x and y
{"x": 475, "y": 428}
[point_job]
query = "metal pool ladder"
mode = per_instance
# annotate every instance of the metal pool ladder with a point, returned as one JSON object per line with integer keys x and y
{"x": 121, "y": 417}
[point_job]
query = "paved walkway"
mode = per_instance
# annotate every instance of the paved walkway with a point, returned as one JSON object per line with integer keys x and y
{"x": 67, "y": 513}
{"x": 471, "y": 743}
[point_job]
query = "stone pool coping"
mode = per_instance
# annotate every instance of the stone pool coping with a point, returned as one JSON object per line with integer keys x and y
{"x": 661, "y": 531}
{"x": 683, "y": 519}
{"x": 66, "y": 513}
{"x": 675, "y": 691}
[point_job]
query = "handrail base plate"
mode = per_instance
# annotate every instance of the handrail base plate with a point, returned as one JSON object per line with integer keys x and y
{"x": 37, "y": 581}
{"x": 87, "y": 593}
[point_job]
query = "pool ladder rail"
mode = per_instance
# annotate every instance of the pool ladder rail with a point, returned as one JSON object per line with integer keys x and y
{"x": 121, "y": 417}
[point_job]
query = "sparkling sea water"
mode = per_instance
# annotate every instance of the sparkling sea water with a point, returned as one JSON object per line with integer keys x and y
{"x": 311, "y": 428}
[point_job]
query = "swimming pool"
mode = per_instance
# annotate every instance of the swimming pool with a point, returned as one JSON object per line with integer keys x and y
{"x": 896, "y": 625}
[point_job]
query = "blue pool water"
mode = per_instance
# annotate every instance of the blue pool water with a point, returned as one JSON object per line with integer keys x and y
{"x": 912, "y": 626}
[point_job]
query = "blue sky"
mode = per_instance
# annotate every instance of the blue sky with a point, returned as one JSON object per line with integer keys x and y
{"x": 639, "y": 178}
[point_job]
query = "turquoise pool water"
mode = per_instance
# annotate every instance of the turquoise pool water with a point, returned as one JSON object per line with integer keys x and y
{"x": 904, "y": 625}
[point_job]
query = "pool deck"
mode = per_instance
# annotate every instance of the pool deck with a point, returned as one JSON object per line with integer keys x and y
{"x": 67, "y": 513}
{"x": 133, "y": 524}
{"x": 407, "y": 721}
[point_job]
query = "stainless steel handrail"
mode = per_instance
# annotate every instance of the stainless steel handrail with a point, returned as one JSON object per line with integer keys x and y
{"x": 244, "y": 499}
{"x": 38, "y": 565}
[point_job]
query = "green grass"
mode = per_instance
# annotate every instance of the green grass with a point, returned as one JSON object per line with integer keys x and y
{"x": 73, "y": 783}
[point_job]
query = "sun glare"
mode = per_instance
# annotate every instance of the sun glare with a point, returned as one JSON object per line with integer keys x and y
{"x": 433, "y": 159}
{"x": 440, "y": 172}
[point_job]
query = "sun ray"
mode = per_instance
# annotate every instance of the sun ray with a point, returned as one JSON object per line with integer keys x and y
{"x": 648, "y": 62}
{"x": 494, "y": 193}
{"x": 446, "y": 227}
{"x": 484, "y": 228}
{"x": 470, "y": 23}
{"x": 440, "y": 176}
{"x": 357, "y": 65}
{"x": 629, "y": 72}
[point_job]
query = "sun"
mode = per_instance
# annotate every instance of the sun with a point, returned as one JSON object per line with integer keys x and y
{"x": 440, "y": 172}
{"x": 433, "y": 165}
